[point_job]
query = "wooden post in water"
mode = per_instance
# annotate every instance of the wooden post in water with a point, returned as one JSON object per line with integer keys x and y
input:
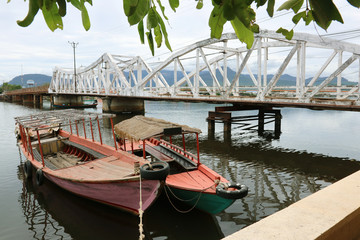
{"x": 261, "y": 121}
{"x": 277, "y": 123}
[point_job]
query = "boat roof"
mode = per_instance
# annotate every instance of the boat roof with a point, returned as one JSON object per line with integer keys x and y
{"x": 56, "y": 118}
{"x": 140, "y": 128}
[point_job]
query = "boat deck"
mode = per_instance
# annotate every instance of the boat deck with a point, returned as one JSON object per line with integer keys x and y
{"x": 104, "y": 169}
{"x": 191, "y": 180}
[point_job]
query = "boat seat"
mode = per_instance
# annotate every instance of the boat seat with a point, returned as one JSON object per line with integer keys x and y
{"x": 155, "y": 152}
{"x": 85, "y": 149}
{"x": 37, "y": 157}
{"x": 182, "y": 160}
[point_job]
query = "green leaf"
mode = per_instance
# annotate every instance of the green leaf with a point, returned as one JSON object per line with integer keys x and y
{"x": 76, "y": 3}
{"x": 151, "y": 42}
{"x": 200, "y": 4}
{"x": 217, "y": 21}
{"x": 85, "y": 16}
{"x": 62, "y": 7}
{"x": 244, "y": 34}
{"x": 141, "y": 9}
{"x": 244, "y": 13}
{"x": 33, "y": 10}
{"x": 324, "y": 12}
{"x": 164, "y": 32}
{"x": 295, "y": 5}
{"x": 141, "y": 31}
{"x": 162, "y": 9}
{"x": 49, "y": 4}
{"x": 152, "y": 21}
{"x": 216, "y": 2}
{"x": 306, "y": 16}
{"x": 174, "y": 4}
{"x": 260, "y": 3}
{"x": 355, "y": 3}
{"x": 288, "y": 34}
{"x": 298, "y": 16}
{"x": 158, "y": 36}
{"x": 52, "y": 17}
{"x": 228, "y": 12}
{"x": 255, "y": 28}
{"x": 270, "y": 8}
{"x": 129, "y": 6}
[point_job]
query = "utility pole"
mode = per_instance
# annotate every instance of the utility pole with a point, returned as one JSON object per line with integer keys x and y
{"x": 74, "y": 45}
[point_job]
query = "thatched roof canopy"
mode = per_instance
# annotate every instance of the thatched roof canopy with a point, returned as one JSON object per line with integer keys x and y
{"x": 140, "y": 128}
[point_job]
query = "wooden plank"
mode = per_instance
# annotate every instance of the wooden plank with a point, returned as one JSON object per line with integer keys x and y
{"x": 157, "y": 154}
{"x": 113, "y": 169}
{"x": 87, "y": 172}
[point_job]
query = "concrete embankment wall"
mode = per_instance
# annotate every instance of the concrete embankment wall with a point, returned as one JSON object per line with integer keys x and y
{"x": 331, "y": 213}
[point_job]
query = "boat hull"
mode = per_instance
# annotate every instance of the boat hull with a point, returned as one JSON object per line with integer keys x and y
{"x": 120, "y": 194}
{"x": 204, "y": 201}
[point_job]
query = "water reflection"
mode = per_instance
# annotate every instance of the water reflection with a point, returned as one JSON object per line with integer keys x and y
{"x": 276, "y": 177}
{"x": 276, "y": 173}
{"x": 52, "y": 213}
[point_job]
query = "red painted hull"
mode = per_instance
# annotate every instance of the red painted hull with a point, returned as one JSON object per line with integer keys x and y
{"x": 112, "y": 190}
{"x": 120, "y": 194}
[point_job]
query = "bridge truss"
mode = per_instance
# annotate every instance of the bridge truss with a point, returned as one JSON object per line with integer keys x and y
{"x": 225, "y": 70}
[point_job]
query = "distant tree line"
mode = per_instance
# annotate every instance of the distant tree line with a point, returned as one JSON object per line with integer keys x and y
{"x": 9, "y": 87}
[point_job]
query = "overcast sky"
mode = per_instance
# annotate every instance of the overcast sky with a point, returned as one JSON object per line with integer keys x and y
{"x": 36, "y": 49}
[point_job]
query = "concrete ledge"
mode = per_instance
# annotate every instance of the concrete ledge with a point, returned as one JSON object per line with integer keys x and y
{"x": 331, "y": 213}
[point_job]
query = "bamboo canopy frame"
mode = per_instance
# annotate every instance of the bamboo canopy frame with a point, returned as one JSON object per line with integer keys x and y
{"x": 56, "y": 118}
{"x": 141, "y": 128}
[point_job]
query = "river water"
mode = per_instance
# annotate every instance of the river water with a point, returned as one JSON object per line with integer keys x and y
{"x": 315, "y": 149}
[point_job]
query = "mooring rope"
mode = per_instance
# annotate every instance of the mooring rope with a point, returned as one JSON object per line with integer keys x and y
{"x": 185, "y": 200}
{"x": 141, "y": 226}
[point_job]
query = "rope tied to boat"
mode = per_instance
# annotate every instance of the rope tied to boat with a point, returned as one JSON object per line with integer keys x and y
{"x": 216, "y": 182}
{"x": 141, "y": 226}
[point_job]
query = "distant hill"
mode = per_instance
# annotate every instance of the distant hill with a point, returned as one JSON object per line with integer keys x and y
{"x": 39, "y": 79}
{"x": 245, "y": 79}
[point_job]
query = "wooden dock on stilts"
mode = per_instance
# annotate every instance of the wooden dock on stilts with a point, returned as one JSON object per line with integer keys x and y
{"x": 265, "y": 116}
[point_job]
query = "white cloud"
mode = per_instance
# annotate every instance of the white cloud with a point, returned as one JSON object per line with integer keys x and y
{"x": 38, "y": 50}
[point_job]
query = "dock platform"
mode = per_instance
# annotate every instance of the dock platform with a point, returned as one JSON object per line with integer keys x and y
{"x": 331, "y": 213}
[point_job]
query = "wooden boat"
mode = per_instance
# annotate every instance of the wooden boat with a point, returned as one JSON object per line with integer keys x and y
{"x": 189, "y": 180}
{"x": 82, "y": 165}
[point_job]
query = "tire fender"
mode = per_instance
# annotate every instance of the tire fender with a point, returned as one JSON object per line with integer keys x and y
{"x": 240, "y": 191}
{"x": 39, "y": 177}
{"x": 28, "y": 169}
{"x": 155, "y": 170}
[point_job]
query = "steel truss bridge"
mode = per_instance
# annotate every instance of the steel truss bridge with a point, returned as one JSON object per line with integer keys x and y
{"x": 224, "y": 70}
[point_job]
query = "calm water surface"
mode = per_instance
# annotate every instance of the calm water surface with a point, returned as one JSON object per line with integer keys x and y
{"x": 315, "y": 149}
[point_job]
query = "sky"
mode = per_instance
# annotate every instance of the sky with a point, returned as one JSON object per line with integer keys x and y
{"x": 36, "y": 49}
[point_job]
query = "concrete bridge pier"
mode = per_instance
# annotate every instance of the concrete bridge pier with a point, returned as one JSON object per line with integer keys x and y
{"x": 123, "y": 105}
{"x": 67, "y": 100}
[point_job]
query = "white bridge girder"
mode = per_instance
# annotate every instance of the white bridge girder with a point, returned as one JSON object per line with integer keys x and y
{"x": 213, "y": 69}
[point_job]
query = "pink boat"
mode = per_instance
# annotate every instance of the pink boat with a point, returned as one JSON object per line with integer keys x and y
{"x": 83, "y": 166}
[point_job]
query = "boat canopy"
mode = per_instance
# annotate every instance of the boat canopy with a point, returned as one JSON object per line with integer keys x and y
{"x": 141, "y": 128}
{"x": 58, "y": 118}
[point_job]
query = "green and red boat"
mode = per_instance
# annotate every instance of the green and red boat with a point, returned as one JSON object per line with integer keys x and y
{"x": 189, "y": 181}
